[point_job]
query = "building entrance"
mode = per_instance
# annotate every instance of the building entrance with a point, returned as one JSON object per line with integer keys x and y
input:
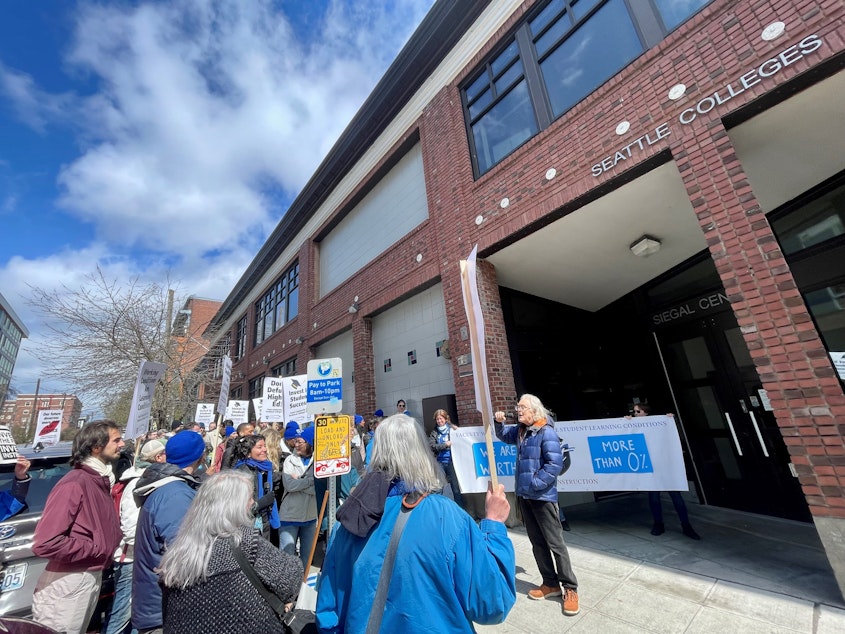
{"x": 740, "y": 458}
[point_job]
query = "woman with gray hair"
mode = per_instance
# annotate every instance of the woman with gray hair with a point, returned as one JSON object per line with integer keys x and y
{"x": 448, "y": 571}
{"x": 205, "y": 589}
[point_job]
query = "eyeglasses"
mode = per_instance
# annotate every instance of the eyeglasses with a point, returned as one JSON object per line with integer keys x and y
{"x": 519, "y": 408}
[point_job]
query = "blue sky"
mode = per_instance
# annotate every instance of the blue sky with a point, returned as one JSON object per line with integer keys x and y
{"x": 153, "y": 137}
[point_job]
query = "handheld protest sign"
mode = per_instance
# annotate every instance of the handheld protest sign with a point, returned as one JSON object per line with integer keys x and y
{"x": 475, "y": 317}
{"x": 8, "y": 448}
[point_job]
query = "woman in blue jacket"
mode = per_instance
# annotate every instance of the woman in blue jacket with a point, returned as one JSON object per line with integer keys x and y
{"x": 448, "y": 572}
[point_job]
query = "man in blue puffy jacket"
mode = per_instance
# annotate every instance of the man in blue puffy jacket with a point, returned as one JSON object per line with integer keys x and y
{"x": 539, "y": 462}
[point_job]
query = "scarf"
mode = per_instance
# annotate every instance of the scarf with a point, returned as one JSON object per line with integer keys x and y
{"x": 445, "y": 456}
{"x": 261, "y": 467}
{"x": 101, "y": 468}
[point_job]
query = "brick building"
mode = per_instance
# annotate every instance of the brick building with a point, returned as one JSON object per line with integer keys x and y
{"x": 190, "y": 343}
{"x": 22, "y": 412}
{"x": 657, "y": 192}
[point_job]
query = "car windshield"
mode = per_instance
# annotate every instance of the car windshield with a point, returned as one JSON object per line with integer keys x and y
{"x": 45, "y": 474}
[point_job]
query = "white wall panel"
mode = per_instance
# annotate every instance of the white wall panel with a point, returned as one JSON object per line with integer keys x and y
{"x": 417, "y": 324}
{"x": 341, "y": 346}
{"x": 389, "y": 211}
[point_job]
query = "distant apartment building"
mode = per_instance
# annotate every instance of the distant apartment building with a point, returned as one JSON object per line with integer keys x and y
{"x": 22, "y": 411}
{"x": 12, "y": 331}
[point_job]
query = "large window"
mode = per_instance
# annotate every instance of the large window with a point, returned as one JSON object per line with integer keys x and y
{"x": 240, "y": 341}
{"x": 256, "y": 387}
{"x": 278, "y": 306}
{"x": 558, "y": 56}
{"x": 287, "y": 368}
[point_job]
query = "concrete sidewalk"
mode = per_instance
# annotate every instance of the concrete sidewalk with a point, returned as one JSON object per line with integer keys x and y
{"x": 749, "y": 573}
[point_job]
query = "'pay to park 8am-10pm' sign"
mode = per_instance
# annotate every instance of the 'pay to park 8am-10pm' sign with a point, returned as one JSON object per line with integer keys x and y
{"x": 611, "y": 454}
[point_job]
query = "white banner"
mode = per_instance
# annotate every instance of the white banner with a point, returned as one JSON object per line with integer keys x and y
{"x": 49, "y": 427}
{"x": 224, "y": 385}
{"x": 256, "y": 405}
{"x": 238, "y": 412}
{"x": 205, "y": 413}
{"x": 142, "y": 400}
{"x": 611, "y": 454}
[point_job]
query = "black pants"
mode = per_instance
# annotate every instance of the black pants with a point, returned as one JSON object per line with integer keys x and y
{"x": 546, "y": 535}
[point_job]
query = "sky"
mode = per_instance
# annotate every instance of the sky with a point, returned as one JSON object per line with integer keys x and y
{"x": 169, "y": 137}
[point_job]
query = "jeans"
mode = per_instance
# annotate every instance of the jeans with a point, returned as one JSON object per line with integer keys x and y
{"x": 657, "y": 508}
{"x": 118, "y": 619}
{"x": 288, "y": 535}
{"x": 546, "y": 536}
{"x": 452, "y": 479}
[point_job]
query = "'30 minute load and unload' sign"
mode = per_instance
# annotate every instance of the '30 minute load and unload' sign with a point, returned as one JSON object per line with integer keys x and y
{"x": 332, "y": 445}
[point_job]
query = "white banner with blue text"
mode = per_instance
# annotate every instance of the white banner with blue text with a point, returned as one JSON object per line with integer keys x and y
{"x": 609, "y": 454}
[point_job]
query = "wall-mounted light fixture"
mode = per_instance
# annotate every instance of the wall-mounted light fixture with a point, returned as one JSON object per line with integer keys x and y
{"x": 266, "y": 359}
{"x": 353, "y": 307}
{"x": 240, "y": 376}
{"x": 645, "y": 246}
{"x": 299, "y": 340}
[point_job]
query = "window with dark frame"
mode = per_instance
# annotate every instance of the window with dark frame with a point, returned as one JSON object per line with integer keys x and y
{"x": 278, "y": 305}
{"x": 560, "y": 54}
{"x": 256, "y": 387}
{"x": 240, "y": 338}
{"x": 286, "y": 368}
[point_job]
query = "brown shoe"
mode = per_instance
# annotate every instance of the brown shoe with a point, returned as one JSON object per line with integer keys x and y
{"x": 570, "y": 602}
{"x": 544, "y": 592}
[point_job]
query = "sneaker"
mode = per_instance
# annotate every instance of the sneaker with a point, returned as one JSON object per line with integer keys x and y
{"x": 689, "y": 531}
{"x": 570, "y": 603}
{"x": 565, "y": 525}
{"x": 544, "y": 592}
{"x": 658, "y": 528}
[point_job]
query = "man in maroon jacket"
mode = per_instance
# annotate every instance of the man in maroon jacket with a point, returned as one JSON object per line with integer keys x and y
{"x": 78, "y": 532}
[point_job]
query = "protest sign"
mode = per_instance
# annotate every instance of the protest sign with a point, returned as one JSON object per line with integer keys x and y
{"x": 273, "y": 400}
{"x": 225, "y": 380}
{"x": 612, "y": 454}
{"x": 8, "y": 448}
{"x": 48, "y": 429}
{"x": 142, "y": 399}
{"x": 238, "y": 412}
{"x": 205, "y": 413}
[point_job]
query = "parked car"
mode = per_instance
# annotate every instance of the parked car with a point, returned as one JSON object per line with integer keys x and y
{"x": 20, "y": 567}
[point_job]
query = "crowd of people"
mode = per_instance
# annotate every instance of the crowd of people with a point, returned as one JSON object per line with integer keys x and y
{"x": 212, "y": 530}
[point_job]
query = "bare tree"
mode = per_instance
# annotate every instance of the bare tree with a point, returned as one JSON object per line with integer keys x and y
{"x": 100, "y": 334}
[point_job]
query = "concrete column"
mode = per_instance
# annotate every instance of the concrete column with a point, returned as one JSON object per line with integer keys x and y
{"x": 788, "y": 353}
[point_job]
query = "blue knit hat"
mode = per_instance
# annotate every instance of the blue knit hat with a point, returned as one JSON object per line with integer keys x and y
{"x": 359, "y": 419}
{"x": 379, "y": 413}
{"x": 291, "y": 430}
{"x": 184, "y": 449}
{"x": 307, "y": 435}
{"x": 229, "y": 431}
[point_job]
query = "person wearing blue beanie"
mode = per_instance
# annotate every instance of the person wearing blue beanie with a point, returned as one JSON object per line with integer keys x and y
{"x": 185, "y": 448}
{"x": 298, "y": 512}
{"x": 291, "y": 430}
{"x": 307, "y": 435}
{"x": 229, "y": 431}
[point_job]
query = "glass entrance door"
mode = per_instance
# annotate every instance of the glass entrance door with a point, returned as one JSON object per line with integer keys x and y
{"x": 738, "y": 450}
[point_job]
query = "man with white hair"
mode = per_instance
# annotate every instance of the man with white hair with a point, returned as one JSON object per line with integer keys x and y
{"x": 539, "y": 461}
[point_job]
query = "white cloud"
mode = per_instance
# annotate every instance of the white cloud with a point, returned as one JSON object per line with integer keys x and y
{"x": 203, "y": 107}
{"x": 202, "y": 111}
